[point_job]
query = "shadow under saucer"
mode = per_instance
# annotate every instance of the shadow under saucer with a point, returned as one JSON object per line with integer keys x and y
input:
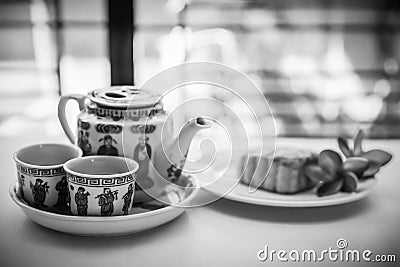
{"x": 292, "y": 214}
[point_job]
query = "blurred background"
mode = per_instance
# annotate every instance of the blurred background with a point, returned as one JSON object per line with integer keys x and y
{"x": 325, "y": 66}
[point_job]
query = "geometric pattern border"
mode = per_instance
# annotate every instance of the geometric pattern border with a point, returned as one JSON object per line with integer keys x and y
{"x": 101, "y": 181}
{"x": 127, "y": 114}
{"x": 143, "y": 128}
{"x": 108, "y": 128}
{"x": 41, "y": 172}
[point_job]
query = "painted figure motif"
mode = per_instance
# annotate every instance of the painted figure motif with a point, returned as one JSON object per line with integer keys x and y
{"x": 107, "y": 148}
{"x": 127, "y": 199}
{"x": 63, "y": 194}
{"x": 176, "y": 171}
{"x": 106, "y": 201}
{"x": 83, "y": 142}
{"x": 142, "y": 155}
{"x": 81, "y": 200}
{"x": 39, "y": 191}
{"x": 21, "y": 178}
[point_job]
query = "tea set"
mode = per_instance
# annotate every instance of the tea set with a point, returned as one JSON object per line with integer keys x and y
{"x": 123, "y": 155}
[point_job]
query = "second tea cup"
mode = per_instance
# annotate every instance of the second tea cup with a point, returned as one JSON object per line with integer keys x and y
{"x": 101, "y": 185}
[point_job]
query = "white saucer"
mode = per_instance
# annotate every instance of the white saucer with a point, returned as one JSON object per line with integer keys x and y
{"x": 240, "y": 193}
{"x": 151, "y": 214}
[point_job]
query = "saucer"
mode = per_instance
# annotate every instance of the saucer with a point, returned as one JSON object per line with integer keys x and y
{"x": 143, "y": 216}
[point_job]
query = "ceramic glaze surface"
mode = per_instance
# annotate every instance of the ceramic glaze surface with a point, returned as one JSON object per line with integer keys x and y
{"x": 47, "y": 154}
{"x": 101, "y": 165}
{"x": 101, "y": 185}
{"x": 101, "y": 197}
{"x": 41, "y": 176}
{"x": 143, "y": 216}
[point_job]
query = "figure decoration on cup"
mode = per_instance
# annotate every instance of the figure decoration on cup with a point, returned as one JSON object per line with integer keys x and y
{"x": 81, "y": 200}
{"x": 63, "y": 194}
{"x": 39, "y": 191}
{"x": 127, "y": 199}
{"x": 106, "y": 201}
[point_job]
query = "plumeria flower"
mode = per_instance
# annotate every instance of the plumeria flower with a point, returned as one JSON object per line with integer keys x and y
{"x": 333, "y": 174}
{"x": 376, "y": 157}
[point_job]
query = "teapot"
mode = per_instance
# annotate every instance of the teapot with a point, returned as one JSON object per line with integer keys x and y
{"x": 130, "y": 122}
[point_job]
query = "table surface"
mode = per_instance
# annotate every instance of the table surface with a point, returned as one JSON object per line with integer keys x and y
{"x": 220, "y": 234}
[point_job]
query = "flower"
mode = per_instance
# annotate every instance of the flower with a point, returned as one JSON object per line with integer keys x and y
{"x": 376, "y": 157}
{"x": 333, "y": 174}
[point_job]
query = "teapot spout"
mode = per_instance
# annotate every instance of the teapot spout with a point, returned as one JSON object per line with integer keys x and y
{"x": 188, "y": 131}
{"x": 170, "y": 159}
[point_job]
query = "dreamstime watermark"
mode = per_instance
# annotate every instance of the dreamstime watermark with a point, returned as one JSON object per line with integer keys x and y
{"x": 340, "y": 253}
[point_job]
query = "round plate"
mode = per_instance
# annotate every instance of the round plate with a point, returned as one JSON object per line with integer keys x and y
{"x": 143, "y": 216}
{"x": 308, "y": 198}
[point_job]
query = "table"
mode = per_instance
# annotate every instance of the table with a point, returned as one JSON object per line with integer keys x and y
{"x": 224, "y": 233}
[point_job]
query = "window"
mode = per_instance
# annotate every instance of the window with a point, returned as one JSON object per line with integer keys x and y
{"x": 48, "y": 47}
{"x": 326, "y": 67}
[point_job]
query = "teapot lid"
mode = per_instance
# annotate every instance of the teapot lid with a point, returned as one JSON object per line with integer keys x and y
{"x": 123, "y": 97}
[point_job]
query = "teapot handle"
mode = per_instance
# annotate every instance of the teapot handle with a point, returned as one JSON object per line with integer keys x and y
{"x": 62, "y": 116}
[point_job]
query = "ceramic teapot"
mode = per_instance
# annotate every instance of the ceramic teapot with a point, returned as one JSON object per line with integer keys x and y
{"x": 127, "y": 121}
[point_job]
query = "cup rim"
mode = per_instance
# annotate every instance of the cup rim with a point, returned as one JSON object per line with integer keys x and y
{"x": 80, "y": 153}
{"x": 87, "y": 175}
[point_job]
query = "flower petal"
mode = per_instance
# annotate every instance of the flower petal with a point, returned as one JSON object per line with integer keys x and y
{"x": 355, "y": 164}
{"x": 350, "y": 182}
{"x": 330, "y": 161}
{"x": 358, "y": 142}
{"x": 379, "y": 156}
{"x": 373, "y": 169}
{"x": 315, "y": 173}
{"x": 329, "y": 188}
{"x": 344, "y": 147}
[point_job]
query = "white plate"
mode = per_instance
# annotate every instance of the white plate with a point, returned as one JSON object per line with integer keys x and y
{"x": 151, "y": 214}
{"x": 308, "y": 198}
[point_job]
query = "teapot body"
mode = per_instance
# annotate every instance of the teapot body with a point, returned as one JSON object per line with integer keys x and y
{"x": 115, "y": 135}
{"x": 126, "y": 121}
{"x": 134, "y": 135}
{"x": 120, "y": 121}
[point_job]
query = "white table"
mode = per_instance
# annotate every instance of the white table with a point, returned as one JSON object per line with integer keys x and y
{"x": 224, "y": 233}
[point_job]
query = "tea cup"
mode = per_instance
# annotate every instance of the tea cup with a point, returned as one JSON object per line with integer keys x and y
{"x": 42, "y": 181}
{"x": 101, "y": 185}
